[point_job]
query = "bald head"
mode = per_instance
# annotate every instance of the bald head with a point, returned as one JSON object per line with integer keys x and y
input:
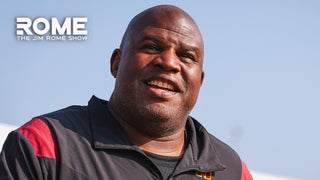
{"x": 163, "y": 16}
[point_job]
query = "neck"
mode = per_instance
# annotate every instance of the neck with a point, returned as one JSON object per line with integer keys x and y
{"x": 171, "y": 145}
{"x": 162, "y": 139}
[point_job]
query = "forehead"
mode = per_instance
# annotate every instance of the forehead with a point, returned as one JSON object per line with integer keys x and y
{"x": 175, "y": 27}
{"x": 165, "y": 22}
{"x": 169, "y": 36}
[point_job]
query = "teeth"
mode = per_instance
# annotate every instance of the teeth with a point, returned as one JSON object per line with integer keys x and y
{"x": 161, "y": 85}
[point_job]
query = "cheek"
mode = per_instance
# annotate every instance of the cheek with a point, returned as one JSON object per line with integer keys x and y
{"x": 130, "y": 66}
{"x": 130, "y": 72}
{"x": 193, "y": 84}
{"x": 193, "y": 79}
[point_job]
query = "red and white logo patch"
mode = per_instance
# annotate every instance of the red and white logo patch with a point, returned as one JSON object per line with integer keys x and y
{"x": 204, "y": 175}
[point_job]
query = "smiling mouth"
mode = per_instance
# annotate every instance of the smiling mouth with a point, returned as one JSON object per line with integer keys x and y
{"x": 161, "y": 85}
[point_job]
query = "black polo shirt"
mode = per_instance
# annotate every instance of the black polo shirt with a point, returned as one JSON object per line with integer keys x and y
{"x": 86, "y": 142}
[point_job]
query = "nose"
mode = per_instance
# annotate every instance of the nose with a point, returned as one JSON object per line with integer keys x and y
{"x": 168, "y": 60}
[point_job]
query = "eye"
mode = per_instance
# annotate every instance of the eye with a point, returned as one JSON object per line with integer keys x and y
{"x": 150, "y": 48}
{"x": 187, "y": 57}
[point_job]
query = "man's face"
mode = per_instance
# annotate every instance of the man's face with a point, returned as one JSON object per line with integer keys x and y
{"x": 159, "y": 69}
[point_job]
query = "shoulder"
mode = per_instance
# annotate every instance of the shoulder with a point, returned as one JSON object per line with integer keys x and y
{"x": 70, "y": 112}
{"x": 43, "y": 132}
{"x": 40, "y": 137}
{"x": 222, "y": 149}
{"x": 226, "y": 154}
{"x": 74, "y": 118}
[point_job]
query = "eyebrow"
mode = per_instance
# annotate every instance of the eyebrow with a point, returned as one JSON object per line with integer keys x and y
{"x": 158, "y": 40}
{"x": 161, "y": 41}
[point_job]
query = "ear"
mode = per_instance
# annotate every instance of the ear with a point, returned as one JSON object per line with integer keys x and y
{"x": 114, "y": 62}
{"x": 202, "y": 77}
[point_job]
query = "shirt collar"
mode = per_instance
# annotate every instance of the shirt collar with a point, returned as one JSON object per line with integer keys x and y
{"x": 200, "y": 153}
{"x": 108, "y": 134}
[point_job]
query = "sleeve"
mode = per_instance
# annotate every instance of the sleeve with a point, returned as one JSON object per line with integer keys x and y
{"x": 18, "y": 160}
{"x": 245, "y": 174}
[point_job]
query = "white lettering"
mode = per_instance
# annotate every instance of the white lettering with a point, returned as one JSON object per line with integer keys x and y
{"x": 77, "y": 38}
{"x": 65, "y": 28}
{"x": 37, "y": 38}
{"x": 23, "y": 38}
{"x": 78, "y": 27}
{"x": 74, "y": 27}
{"x": 25, "y": 26}
{"x": 46, "y": 26}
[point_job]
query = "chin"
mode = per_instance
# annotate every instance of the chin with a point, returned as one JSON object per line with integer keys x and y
{"x": 162, "y": 114}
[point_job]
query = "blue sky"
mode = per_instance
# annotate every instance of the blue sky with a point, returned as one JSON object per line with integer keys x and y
{"x": 261, "y": 92}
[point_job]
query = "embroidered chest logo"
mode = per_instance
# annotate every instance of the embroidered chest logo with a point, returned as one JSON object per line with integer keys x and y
{"x": 204, "y": 175}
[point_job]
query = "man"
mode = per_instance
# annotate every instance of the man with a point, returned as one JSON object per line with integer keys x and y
{"x": 144, "y": 131}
